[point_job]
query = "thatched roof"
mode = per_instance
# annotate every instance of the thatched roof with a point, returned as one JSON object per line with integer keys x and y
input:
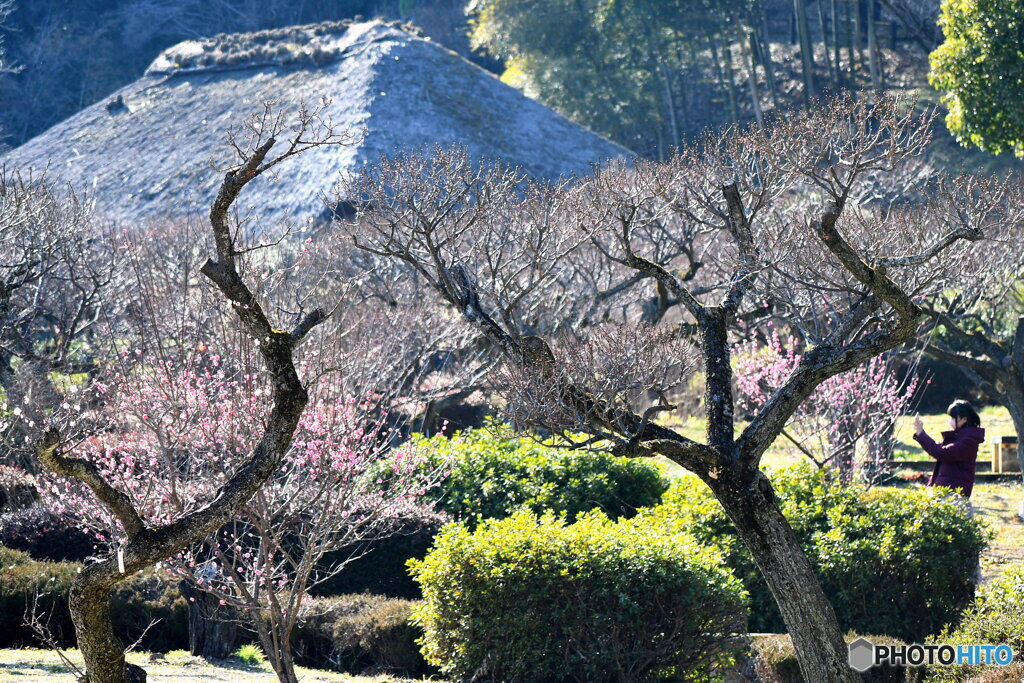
{"x": 146, "y": 151}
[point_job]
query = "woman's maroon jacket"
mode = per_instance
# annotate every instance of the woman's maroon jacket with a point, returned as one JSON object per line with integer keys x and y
{"x": 955, "y": 457}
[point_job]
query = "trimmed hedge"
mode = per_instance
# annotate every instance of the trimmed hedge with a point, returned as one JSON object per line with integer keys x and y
{"x": 494, "y": 473}
{"x": 361, "y": 633}
{"x": 382, "y": 570}
{"x": 21, "y": 577}
{"x": 891, "y": 561}
{"x": 17, "y": 489}
{"x": 45, "y": 535}
{"x": 136, "y": 602}
{"x": 537, "y": 599}
{"x": 996, "y": 616}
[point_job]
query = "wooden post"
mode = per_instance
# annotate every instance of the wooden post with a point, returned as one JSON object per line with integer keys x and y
{"x": 1004, "y": 455}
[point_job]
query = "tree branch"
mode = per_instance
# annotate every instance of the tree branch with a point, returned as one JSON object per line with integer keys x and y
{"x": 739, "y": 228}
{"x": 84, "y": 471}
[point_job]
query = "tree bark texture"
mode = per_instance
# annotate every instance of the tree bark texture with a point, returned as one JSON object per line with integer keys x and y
{"x": 212, "y": 627}
{"x": 750, "y": 502}
{"x": 89, "y": 602}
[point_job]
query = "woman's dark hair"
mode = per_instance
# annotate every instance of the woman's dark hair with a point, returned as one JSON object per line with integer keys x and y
{"x": 961, "y": 408}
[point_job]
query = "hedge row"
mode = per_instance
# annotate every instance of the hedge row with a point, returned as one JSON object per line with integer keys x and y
{"x": 494, "y": 473}
{"x": 896, "y": 562}
{"x": 352, "y": 633}
{"x": 136, "y": 602}
{"x": 361, "y": 633}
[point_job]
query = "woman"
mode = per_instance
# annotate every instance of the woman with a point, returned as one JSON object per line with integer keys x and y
{"x": 957, "y": 454}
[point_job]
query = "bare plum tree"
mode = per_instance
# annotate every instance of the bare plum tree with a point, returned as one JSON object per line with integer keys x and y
{"x": 980, "y": 328}
{"x": 774, "y": 217}
{"x": 56, "y": 268}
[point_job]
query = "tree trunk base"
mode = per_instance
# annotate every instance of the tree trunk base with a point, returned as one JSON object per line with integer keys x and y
{"x": 133, "y": 673}
{"x": 212, "y": 627}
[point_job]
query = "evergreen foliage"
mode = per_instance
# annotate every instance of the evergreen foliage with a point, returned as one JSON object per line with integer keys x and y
{"x": 980, "y": 70}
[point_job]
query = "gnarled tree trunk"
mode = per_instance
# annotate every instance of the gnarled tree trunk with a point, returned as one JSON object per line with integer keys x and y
{"x": 89, "y": 602}
{"x": 146, "y": 545}
{"x": 750, "y": 502}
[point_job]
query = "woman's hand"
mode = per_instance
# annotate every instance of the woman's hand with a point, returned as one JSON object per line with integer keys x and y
{"x": 918, "y": 424}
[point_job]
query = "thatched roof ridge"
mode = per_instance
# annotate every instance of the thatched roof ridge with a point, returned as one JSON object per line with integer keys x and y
{"x": 146, "y": 151}
{"x": 310, "y": 44}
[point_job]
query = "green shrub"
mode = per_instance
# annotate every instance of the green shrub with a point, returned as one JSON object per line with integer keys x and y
{"x": 891, "y": 561}
{"x": 21, "y": 578}
{"x": 251, "y": 654}
{"x": 995, "y": 617}
{"x": 899, "y": 562}
{"x": 357, "y": 633}
{"x": 144, "y": 598}
{"x": 494, "y": 473}
{"x": 136, "y": 602}
{"x": 536, "y": 599}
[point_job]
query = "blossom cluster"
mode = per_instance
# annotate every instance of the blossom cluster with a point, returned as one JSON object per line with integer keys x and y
{"x": 855, "y": 408}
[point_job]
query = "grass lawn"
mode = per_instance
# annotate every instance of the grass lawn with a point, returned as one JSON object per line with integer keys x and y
{"x": 32, "y": 665}
{"x": 997, "y": 505}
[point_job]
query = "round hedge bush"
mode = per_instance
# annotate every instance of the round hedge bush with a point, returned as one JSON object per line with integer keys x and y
{"x": 494, "y": 473}
{"x": 895, "y": 562}
{"x": 533, "y": 598}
